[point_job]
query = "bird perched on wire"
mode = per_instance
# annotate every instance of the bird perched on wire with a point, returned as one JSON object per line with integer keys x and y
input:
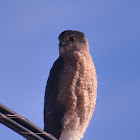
{"x": 71, "y": 90}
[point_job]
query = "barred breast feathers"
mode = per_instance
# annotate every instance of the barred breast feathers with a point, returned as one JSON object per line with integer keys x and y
{"x": 79, "y": 99}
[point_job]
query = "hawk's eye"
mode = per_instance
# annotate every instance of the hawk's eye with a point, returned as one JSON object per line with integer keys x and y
{"x": 72, "y": 38}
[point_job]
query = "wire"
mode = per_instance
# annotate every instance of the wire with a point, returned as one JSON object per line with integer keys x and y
{"x": 21, "y": 125}
{"x": 18, "y": 128}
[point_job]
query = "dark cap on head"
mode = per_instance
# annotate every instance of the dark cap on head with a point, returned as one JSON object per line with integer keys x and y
{"x": 70, "y": 34}
{"x": 72, "y": 41}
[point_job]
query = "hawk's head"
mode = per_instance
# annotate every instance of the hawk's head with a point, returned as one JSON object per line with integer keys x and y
{"x": 72, "y": 41}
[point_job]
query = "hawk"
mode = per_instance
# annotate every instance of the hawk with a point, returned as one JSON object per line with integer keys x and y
{"x": 71, "y": 89}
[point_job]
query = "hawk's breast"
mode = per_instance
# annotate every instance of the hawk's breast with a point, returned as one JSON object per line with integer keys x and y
{"x": 77, "y": 91}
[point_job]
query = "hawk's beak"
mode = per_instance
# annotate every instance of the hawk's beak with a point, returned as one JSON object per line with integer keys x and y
{"x": 61, "y": 49}
{"x": 62, "y": 43}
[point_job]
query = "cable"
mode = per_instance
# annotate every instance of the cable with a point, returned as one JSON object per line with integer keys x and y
{"x": 18, "y": 119}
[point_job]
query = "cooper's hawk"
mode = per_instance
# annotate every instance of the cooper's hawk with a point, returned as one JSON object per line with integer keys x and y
{"x": 71, "y": 88}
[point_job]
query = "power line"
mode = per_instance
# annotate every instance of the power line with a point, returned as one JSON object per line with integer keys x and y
{"x": 22, "y": 126}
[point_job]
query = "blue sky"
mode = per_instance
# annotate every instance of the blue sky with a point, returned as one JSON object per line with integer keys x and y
{"x": 28, "y": 47}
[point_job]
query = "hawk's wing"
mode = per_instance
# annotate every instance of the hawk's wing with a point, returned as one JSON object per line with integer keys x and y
{"x": 52, "y": 113}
